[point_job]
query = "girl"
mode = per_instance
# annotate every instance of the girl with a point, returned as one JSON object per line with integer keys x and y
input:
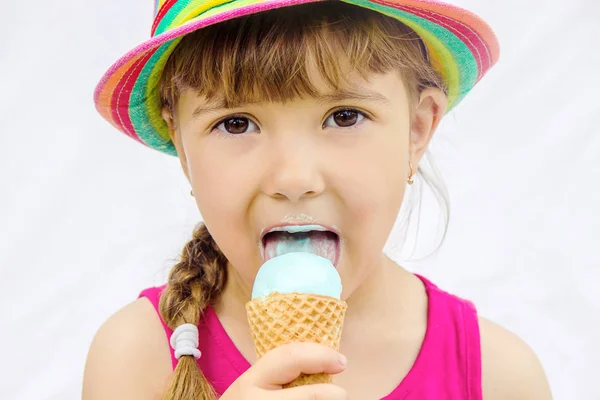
{"x": 286, "y": 114}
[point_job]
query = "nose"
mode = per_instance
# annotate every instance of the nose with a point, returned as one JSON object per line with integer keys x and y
{"x": 294, "y": 169}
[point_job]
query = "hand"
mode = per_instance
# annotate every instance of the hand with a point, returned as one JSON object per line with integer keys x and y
{"x": 264, "y": 380}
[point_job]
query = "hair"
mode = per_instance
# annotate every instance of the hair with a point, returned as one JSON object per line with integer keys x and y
{"x": 267, "y": 56}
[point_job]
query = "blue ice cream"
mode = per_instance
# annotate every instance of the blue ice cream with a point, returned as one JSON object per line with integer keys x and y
{"x": 298, "y": 272}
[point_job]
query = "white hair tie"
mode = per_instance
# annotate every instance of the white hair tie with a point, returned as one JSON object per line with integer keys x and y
{"x": 184, "y": 341}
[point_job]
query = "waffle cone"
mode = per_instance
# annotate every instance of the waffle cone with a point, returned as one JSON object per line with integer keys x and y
{"x": 279, "y": 319}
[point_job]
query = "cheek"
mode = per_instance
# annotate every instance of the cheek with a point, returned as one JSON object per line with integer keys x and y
{"x": 223, "y": 193}
{"x": 223, "y": 213}
{"x": 218, "y": 180}
{"x": 375, "y": 178}
{"x": 373, "y": 190}
{"x": 374, "y": 204}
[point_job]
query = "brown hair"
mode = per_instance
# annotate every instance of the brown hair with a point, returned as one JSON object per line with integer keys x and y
{"x": 267, "y": 56}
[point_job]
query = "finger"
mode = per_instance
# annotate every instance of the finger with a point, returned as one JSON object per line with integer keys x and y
{"x": 321, "y": 391}
{"x": 284, "y": 364}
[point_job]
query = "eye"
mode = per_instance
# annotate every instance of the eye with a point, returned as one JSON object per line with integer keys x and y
{"x": 344, "y": 118}
{"x": 236, "y": 125}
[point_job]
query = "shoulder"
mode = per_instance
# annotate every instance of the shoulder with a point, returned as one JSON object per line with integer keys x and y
{"x": 129, "y": 357}
{"x": 510, "y": 369}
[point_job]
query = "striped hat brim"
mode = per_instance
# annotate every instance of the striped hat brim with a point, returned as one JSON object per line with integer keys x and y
{"x": 462, "y": 47}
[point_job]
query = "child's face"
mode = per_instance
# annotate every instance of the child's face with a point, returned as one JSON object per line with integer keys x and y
{"x": 304, "y": 161}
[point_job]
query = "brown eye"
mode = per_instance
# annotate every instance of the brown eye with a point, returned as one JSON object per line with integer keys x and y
{"x": 344, "y": 118}
{"x": 236, "y": 125}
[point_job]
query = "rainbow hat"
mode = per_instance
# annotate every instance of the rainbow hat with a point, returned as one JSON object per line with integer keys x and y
{"x": 462, "y": 48}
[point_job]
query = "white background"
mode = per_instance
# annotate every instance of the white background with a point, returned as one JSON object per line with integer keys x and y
{"x": 89, "y": 217}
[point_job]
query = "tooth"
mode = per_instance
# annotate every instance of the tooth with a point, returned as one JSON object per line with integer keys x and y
{"x": 298, "y": 229}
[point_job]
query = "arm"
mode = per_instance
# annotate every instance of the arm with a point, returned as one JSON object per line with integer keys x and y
{"x": 129, "y": 358}
{"x": 510, "y": 369}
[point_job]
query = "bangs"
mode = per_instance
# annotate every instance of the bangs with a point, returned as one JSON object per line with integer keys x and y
{"x": 270, "y": 56}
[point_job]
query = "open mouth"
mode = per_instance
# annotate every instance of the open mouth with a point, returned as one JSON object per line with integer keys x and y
{"x": 325, "y": 244}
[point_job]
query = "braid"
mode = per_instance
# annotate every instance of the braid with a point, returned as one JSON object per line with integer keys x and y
{"x": 194, "y": 283}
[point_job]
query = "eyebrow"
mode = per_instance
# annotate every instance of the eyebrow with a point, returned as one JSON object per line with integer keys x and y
{"x": 338, "y": 95}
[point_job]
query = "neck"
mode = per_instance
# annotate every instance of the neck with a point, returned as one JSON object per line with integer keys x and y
{"x": 382, "y": 291}
{"x": 234, "y": 296}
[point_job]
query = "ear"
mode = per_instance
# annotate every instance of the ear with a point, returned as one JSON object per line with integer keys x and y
{"x": 427, "y": 116}
{"x": 175, "y": 136}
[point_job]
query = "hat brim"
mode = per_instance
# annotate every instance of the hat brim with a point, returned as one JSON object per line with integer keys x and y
{"x": 462, "y": 48}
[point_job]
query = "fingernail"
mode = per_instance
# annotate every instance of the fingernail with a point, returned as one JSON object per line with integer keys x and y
{"x": 343, "y": 360}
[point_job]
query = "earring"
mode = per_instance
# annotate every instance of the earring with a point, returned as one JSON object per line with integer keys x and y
{"x": 410, "y": 177}
{"x": 192, "y": 193}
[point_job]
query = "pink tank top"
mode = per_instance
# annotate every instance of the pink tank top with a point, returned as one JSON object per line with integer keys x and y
{"x": 448, "y": 365}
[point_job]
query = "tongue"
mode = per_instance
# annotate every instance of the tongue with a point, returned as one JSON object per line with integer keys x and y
{"x": 323, "y": 244}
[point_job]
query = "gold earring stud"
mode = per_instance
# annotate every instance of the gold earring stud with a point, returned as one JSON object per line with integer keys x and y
{"x": 410, "y": 177}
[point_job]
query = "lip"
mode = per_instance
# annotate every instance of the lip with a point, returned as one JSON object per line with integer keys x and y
{"x": 279, "y": 227}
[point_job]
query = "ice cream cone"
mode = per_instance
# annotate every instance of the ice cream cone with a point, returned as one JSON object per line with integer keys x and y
{"x": 279, "y": 319}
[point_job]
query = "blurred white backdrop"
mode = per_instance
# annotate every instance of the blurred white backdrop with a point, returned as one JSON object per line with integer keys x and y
{"x": 89, "y": 217}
